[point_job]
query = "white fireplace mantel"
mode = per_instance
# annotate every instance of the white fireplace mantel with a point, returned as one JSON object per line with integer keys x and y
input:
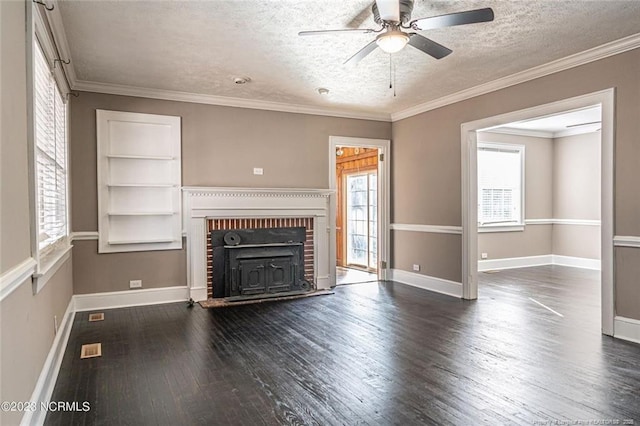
{"x": 202, "y": 203}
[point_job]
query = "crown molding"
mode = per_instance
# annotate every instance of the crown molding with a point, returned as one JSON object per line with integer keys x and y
{"x": 600, "y": 52}
{"x": 172, "y": 95}
{"x": 521, "y": 132}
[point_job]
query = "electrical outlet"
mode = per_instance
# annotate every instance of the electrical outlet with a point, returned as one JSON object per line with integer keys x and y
{"x": 135, "y": 284}
{"x": 484, "y": 255}
{"x": 416, "y": 267}
{"x": 258, "y": 171}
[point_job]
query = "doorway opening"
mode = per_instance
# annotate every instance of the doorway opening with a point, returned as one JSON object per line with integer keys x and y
{"x": 470, "y": 135}
{"x": 359, "y": 175}
{"x": 539, "y": 213}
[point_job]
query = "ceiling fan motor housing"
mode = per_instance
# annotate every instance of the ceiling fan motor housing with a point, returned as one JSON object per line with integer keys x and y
{"x": 406, "y": 7}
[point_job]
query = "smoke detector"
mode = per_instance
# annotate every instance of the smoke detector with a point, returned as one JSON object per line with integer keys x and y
{"x": 241, "y": 80}
{"x": 323, "y": 91}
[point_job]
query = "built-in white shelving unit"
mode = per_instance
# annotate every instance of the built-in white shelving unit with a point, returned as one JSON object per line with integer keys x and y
{"x": 139, "y": 179}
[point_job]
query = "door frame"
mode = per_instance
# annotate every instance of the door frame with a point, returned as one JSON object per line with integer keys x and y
{"x": 469, "y": 146}
{"x": 384, "y": 209}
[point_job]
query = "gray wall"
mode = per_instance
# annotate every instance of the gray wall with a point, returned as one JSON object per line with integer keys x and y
{"x": 535, "y": 240}
{"x": 576, "y": 194}
{"x": 426, "y": 170}
{"x": 26, "y": 321}
{"x": 220, "y": 147}
{"x": 562, "y": 181}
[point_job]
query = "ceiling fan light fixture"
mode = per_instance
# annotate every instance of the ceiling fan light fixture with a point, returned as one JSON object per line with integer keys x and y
{"x": 392, "y": 41}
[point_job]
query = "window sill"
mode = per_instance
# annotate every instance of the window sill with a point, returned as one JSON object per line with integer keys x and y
{"x": 500, "y": 228}
{"x": 49, "y": 265}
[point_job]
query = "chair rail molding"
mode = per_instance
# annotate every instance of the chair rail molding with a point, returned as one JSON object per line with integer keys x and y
{"x": 16, "y": 276}
{"x": 626, "y": 241}
{"x": 434, "y": 229}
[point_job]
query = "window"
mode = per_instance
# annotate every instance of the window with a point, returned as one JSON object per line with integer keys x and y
{"x": 500, "y": 185}
{"x": 50, "y": 155}
{"x": 362, "y": 220}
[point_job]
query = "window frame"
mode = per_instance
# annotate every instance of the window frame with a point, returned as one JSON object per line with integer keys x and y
{"x": 52, "y": 256}
{"x": 517, "y": 225}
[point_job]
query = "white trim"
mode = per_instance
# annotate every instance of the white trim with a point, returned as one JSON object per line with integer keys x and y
{"x": 626, "y": 241}
{"x": 577, "y": 222}
{"x": 627, "y": 329}
{"x": 487, "y": 229}
{"x": 576, "y": 262}
{"x": 49, "y": 373}
{"x": 539, "y": 221}
{"x": 581, "y": 130}
{"x": 425, "y": 282}
{"x": 84, "y": 235}
{"x": 16, "y": 276}
{"x": 173, "y": 95}
{"x": 600, "y": 52}
{"x": 49, "y": 265}
{"x": 522, "y": 132}
{"x": 384, "y": 200}
{"x": 122, "y": 299}
{"x": 529, "y": 261}
{"x": 468, "y": 140}
{"x": 514, "y": 262}
{"x": 433, "y": 229}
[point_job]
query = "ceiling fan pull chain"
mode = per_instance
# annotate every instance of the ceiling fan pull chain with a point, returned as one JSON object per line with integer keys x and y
{"x": 395, "y": 82}
{"x": 390, "y": 71}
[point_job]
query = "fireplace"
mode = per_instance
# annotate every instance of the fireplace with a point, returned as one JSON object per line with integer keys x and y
{"x": 209, "y": 209}
{"x": 258, "y": 262}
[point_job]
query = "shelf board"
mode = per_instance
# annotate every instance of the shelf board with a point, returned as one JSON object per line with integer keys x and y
{"x": 147, "y": 241}
{"x": 141, "y": 157}
{"x": 141, "y": 185}
{"x": 157, "y": 213}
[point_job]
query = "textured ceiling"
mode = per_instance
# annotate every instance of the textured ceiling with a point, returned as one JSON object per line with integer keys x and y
{"x": 200, "y": 46}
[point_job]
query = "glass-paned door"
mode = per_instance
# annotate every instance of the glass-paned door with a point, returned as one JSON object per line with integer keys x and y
{"x": 362, "y": 219}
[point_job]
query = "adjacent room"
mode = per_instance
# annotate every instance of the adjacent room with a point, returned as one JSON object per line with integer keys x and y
{"x": 539, "y": 203}
{"x": 319, "y": 212}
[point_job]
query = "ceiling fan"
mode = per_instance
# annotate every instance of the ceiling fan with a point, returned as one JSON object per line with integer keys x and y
{"x": 395, "y": 15}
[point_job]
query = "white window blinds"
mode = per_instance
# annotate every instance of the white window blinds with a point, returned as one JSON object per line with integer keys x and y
{"x": 51, "y": 154}
{"x": 499, "y": 184}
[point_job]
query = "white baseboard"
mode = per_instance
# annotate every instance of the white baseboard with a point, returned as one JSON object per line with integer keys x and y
{"x": 121, "y": 299}
{"x": 49, "y": 373}
{"x": 514, "y": 262}
{"x": 626, "y": 329}
{"x": 576, "y": 262}
{"x": 547, "y": 259}
{"x": 439, "y": 285}
{"x": 198, "y": 293}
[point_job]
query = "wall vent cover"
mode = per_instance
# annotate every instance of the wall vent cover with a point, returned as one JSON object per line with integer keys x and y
{"x": 96, "y": 317}
{"x": 91, "y": 350}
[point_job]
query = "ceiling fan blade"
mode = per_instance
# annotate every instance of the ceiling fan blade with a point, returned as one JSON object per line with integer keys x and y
{"x": 360, "y": 17}
{"x": 389, "y": 10}
{"x": 345, "y": 30}
{"x": 353, "y": 61}
{"x": 460, "y": 18}
{"x": 428, "y": 46}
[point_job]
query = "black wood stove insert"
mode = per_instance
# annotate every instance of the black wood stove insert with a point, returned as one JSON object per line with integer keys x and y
{"x": 248, "y": 263}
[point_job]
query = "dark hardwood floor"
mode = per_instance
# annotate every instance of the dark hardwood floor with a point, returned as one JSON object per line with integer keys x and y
{"x": 376, "y": 353}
